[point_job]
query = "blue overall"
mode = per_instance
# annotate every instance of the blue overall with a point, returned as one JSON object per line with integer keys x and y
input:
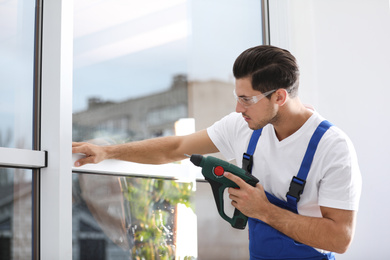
{"x": 265, "y": 242}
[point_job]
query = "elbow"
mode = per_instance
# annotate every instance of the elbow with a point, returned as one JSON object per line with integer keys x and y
{"x": 342, "y": 245}
{"x": 341, "y": 250}
{"x": 342, "y": 232}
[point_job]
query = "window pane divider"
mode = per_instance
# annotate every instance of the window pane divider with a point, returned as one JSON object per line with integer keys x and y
{"x": 22, "y": 158}
{"x": 182, "y": 171}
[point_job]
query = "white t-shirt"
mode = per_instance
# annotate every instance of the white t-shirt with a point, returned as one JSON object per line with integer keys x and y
{"x": 334, "y": 179}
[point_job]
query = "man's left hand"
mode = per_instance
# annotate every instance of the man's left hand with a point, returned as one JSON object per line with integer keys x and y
{"x": 251, "y": 201}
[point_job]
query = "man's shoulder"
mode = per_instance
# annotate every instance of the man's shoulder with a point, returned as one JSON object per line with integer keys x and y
{"x": 336, "y": 141}
{"x": 333, "y": 132}
{"x": 232, "y": 120}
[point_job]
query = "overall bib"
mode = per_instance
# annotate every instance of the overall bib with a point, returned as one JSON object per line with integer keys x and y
{"x": 267, "y": 243}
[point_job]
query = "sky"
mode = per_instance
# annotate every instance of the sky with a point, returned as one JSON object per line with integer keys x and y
{"x": 138, "y": 54}
{"x": 125, "y": 49}
{"x": 16, "y": 73}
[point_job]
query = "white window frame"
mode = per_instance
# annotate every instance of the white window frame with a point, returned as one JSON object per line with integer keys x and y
{"x": 56, "y": 137}
{"x": 22, "y": 158}
{"x": 181, "y": 171}
{"x": 54, "y": 160}
{"x": 56, "y": 130}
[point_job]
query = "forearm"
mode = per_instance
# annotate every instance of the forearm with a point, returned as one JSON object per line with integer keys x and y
{"x": 151, "y": 151}
{"x": 318, "y": 232}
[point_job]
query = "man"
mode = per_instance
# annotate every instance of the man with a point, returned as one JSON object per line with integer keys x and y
{"x": 318, "y": 214}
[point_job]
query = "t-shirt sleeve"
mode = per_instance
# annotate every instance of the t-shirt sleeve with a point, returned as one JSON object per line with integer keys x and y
{"x": 221, "y": 133}
{"x": 341, "y": 184}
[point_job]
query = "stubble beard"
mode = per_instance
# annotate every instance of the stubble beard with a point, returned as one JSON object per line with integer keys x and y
{"x": 273, "y": 119}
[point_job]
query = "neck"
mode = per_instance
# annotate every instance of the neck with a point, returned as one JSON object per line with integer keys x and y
{"x": 291, "y": 117}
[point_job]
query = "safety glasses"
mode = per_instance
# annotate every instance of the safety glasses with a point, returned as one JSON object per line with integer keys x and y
{"x": 249, "y": 101}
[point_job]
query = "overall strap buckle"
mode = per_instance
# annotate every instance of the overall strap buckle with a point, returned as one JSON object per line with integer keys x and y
{"x": 247, "y": 158}
{"x": 296, "y": 188}
{"x": 247, "y": 162}
{"x": 298, "y": 183}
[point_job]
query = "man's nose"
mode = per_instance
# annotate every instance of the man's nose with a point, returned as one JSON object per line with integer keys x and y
{"x": 240, "y": 108}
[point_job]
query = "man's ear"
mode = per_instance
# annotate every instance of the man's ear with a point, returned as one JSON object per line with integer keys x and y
{"x": 281, "y": 96}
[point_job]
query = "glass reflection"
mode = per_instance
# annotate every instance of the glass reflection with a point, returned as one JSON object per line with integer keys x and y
{"x": 150, "y": 63}
{"x": 139, "y": 70}
{"x": 131, "y": 218}
{"x": 16, "y": 72}
{"x": 15, "y": 214}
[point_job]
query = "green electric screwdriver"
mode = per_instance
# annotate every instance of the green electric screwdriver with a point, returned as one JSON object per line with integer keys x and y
{"x": 213, "y": 170}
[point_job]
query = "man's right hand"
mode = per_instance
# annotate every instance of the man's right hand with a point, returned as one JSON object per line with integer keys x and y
{"x": 93, "y": 153}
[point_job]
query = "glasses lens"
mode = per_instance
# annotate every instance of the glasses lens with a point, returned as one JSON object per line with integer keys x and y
{"x": 245, "y": 101}
{"x": 248, "y": 101}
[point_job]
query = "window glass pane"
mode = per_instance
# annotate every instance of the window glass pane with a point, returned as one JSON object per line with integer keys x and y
{"x": 132, "y": 218}
{"x": 16, "y": 72}
{"x": 15, "y": 214}
{"x": 139, "y": 66}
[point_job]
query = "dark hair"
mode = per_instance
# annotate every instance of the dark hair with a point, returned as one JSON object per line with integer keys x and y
{"x": 269, "y": 67}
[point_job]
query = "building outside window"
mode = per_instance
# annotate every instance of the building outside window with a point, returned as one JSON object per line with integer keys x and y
{"x": 16, "y": 128}
{"x": 140, "y": 69}
{"x": 137, "y": 72}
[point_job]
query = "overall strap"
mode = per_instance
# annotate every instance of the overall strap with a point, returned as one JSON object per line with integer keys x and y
{"x": 298, "y": 182}
{"x": 247, "y": 159}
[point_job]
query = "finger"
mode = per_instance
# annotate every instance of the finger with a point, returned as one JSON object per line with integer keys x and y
{"x": 234, "y": 191}
{"x": 77, "y": 144}
{"x": 83, "y": 161}
{"x": 235, "y": 204}
{"x": 259, "y": 186}
{"x": 76, "y": 147}
{"x": 237, "y": 180}
{"x": 233, "y": 197}
{"x": 81, "y": 148}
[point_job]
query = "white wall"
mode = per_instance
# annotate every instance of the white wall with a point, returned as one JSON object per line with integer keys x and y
{"x": 343, "y": 48}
